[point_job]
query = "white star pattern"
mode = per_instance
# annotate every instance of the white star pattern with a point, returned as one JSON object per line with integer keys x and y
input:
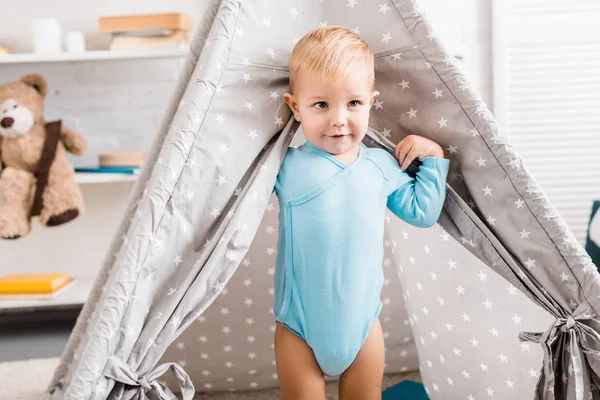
{"x": 519, "y": 203}
{"x": 524, "y": 234}
{"x": 222, "y": 180}
{"x": 383, "y": 8}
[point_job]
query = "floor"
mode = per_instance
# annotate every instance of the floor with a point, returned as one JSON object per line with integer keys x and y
{"x": 28, "y": 380}
{"x": 35, "y": 334}
{"x": 42, "y": 335}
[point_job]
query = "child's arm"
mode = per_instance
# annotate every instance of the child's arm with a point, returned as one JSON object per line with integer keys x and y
{"x": 419, "y": 200}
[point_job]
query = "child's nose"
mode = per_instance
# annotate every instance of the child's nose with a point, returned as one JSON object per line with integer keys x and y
{"x": 338, "y": 117}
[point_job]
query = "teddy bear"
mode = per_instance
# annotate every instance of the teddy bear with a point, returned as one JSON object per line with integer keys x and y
{"x": 36, "y": 177}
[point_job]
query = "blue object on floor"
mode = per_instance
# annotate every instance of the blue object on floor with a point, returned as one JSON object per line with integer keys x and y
{"x": 405, "y": 390}
{"x": 592, "y": 249}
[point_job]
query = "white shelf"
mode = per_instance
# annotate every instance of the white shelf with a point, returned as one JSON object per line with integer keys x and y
{"x": 25, "y": 58}
{"x": 74, "y": 295}
{"x": 87, "y": 178}
{"x": 91, "y": 177}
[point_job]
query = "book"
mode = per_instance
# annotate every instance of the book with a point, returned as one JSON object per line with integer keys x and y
{"x": 32, "y": 283}
{"x": 172, "y": 41}
{"x": 39, "y": 296}
{"x": 122, "y": 158}
{"x": 109, "y": 170}
{"x": 129, "y": 23}
{"x": 149, "y": 46}
{"x": 149, "y": 32}
{"x": 175, "y": 36}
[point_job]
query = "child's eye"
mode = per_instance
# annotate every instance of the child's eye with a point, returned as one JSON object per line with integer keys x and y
{"x": 321, "y": 104}
{"x": 354, "y": 103}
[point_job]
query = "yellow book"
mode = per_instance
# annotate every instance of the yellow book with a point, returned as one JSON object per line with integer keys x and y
{"x": 32, "y": 283}
{"x": 141, "y": 22}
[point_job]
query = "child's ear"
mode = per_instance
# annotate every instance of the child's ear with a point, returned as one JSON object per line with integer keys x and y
{"x": 292, "y": 104}
{"x": 374, "y": 96}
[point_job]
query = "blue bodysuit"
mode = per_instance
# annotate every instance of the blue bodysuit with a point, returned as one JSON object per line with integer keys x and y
{"x": 328, "y": 275}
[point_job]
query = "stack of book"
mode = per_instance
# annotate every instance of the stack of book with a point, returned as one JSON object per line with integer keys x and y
{"x": 117, "y": 162}
{"x": 147, "y": 31}
{"x": 33, "y": 285}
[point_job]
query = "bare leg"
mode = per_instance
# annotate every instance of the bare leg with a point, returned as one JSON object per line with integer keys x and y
{"x": 299, "y": 374}
{"x": 362, "y": 380}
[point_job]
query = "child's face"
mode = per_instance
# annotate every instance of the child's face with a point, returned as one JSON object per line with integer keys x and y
{"x": 334, "y": 114}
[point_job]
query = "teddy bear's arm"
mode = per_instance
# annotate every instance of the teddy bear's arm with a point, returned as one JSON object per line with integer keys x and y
{"x": 73, "y": 141}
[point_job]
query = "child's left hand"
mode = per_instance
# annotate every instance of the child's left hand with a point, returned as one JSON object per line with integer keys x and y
{"x": 413, "y": 146}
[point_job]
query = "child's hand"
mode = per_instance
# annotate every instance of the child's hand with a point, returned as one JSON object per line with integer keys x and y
{"x": 414, "y": 146}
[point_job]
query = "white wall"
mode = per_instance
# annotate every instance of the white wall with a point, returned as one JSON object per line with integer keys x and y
{"x": 118, "y": 104}
{"x": 114, "y": 104}
{"x": 15, "y": 30}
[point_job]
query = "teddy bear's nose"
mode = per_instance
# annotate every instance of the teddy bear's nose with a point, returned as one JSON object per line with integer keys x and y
{"x": 7, "y": 122}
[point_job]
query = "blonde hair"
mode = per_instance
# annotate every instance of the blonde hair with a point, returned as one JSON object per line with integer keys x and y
{"x": 330, "y": 50}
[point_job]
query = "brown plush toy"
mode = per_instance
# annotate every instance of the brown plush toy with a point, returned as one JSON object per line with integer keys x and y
{"x": 36, "y": 177}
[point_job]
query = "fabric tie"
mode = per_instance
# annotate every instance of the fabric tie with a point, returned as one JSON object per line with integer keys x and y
{"x": 121, "y": 372}
{"x": 578, "y": 342}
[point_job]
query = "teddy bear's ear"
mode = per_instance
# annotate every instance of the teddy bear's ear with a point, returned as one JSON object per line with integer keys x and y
{"x": 37, "y": 82}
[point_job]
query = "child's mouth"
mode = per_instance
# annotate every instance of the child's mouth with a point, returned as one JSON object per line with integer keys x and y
{"x": 337, "y": 137}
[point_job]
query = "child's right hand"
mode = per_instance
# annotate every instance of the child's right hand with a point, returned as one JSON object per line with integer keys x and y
{"x": 413, "y": 146}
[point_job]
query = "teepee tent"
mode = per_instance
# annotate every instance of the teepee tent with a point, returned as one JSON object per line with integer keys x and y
{"x": 500, "y": 265}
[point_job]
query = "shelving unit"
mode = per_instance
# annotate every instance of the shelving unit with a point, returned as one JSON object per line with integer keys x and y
{"x": 93, "y": 178}
{"x": 88, "y": 178}
{"x": 76, "y": 295}
{"x": 27, "y": 58}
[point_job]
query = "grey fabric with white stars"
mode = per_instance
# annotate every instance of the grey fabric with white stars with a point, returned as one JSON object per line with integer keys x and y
{"x": 187, "y": 282}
